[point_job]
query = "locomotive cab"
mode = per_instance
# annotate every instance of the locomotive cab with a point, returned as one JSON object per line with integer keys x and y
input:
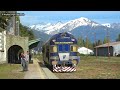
{"x": 63, "y": 55}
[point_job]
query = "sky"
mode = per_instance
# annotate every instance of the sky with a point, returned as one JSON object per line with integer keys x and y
{"x": 36, "y": 17}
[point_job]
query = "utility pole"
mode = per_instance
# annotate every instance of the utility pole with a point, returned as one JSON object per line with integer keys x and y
{"x": 95, "y": 45}
{"x": 108, "y": 43}
{"x": 87, "y": 44}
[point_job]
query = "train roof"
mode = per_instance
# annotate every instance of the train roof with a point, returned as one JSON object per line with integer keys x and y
{"x": 59, "y": 35}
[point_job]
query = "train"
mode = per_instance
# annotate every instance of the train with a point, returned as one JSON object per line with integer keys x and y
{"x": 60, "y": 52}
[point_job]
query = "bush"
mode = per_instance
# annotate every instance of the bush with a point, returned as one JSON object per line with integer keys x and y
{"x": 82, "y": 55}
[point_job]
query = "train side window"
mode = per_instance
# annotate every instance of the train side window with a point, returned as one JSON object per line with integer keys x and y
{"x": 53, "y": 49}
{"x": 73, "y": 48}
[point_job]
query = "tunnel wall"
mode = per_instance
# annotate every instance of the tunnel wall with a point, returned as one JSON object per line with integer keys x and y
{"x": 16, "y": 40}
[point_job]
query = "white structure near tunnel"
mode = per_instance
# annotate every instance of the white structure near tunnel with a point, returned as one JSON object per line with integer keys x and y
{"x": 2, "y": 47}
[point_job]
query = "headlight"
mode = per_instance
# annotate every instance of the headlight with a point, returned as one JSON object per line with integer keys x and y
{"x": 53, "y": 49}
{"x": 54, "y": 62}
{"x": 74, "y": 48}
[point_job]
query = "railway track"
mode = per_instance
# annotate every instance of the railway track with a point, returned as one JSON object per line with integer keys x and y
{"x": 47, "y": 73}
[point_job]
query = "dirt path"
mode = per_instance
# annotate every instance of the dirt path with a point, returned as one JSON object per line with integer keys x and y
{"x": 35, "y": 71}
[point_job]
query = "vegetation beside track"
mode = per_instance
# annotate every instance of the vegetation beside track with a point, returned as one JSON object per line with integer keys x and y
{"x": 91, "y": 67}
{"x": 11, "y": 71}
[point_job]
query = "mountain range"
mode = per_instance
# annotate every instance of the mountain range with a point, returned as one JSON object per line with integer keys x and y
{"x": 81, "y": 27}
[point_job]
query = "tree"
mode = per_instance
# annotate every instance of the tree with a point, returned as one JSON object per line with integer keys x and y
{"x": 26, "y": 32}
{"x": 99, "y": 42}
{"x": 118, "y": 38}
{"x": 88, "y": 44}
{"x": 105, "y": 40}
{"x": 3, "y": 19}
{"x": 84, "y": 43}
{"x": 80, "y": 42}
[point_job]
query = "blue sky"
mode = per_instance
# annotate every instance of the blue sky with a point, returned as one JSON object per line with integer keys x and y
{"x": 35, "y": 17}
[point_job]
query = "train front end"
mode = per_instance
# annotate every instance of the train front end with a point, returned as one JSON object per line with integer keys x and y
{"x": 63, "y": 53}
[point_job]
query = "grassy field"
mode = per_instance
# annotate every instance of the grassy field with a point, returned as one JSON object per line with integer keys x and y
{"x": 13, "y": 71}
{"x": 95, "y": 68}
{"x": 91, "y": 67}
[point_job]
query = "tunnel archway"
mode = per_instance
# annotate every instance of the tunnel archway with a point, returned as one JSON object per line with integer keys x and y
{"x": 14, "y": 54}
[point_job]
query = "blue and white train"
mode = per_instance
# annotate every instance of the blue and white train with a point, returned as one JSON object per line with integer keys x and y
{"x": 60, "y": 52}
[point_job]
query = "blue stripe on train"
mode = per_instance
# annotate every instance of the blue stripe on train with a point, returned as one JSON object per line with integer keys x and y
{"x": 53, "y": 54}
{"x": 73, "y": 53}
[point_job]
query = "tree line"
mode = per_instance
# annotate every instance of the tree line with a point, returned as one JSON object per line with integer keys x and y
{"x": 88, "y": 44}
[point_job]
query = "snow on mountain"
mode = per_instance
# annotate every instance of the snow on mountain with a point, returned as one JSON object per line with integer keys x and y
{"x": 41, "y": 26}
{"x": 54, "y": 27}
{"x": 77, "y": 27}
{"x": 107, "y": 25}
{"x": 32, "y": 26}
{"x": 47, "y": 28}
{"x": 115, "y": 25}
{"x": 79, "y": 22}
{"x": 70, "y": 25}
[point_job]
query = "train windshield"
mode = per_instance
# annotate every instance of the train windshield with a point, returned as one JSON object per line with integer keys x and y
{"x": 63, "y": 47}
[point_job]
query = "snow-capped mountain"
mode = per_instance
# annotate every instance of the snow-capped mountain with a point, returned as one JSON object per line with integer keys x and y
{"x": 115, "y": 25}
{"x": 70, "y": 25}
{"x": 78, "y": 27}
{"x": 107, "y": 25}
{"x": 41, "y": 26}
{"x": 47, "y": 28}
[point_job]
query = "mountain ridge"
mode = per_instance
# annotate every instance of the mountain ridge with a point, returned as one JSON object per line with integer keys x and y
{"x": 78, "y": 27}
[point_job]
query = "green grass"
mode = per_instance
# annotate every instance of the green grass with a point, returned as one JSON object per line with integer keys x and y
{"x": 95, "y": 68}
{"x": 91, "y": 67}
{"x": 13, "y": 71}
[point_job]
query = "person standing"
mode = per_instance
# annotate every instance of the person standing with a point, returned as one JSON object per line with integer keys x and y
{"x": 23, "y": 61}
{"x": 30, "y": 56}
{"x": 26, "y": 60}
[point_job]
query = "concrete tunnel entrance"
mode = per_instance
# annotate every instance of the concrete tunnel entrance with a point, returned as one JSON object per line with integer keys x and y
{"x": 14, "y": 54}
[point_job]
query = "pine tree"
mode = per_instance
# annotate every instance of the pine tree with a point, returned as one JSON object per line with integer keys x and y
{"x": 105, "y": 40}
{"x": 99, "y": 42}
{"x": 88, "y": 44}
{"x": 80, "y": 42}
{"x": 118, "y": 38}
{"x": 26, "y": 32}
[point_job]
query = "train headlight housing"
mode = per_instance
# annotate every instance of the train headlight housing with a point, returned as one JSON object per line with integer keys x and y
{"x": 53, "y": 48}
{"x": 74, "y": 48}
{"x": 54, "y": 62}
